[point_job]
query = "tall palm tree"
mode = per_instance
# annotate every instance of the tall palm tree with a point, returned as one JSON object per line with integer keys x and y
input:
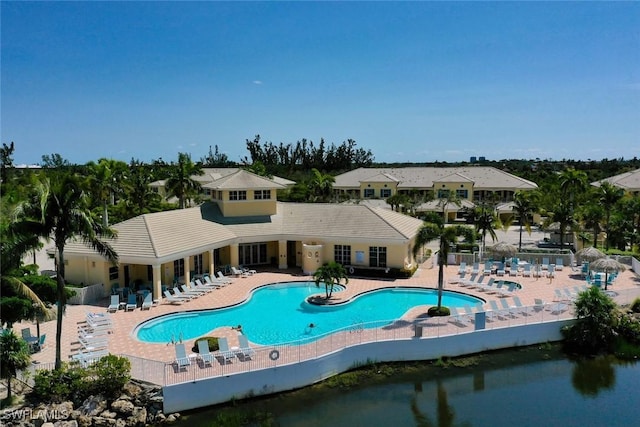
{"x": 563, "y": 215}
{"x": 447, "y": 236}
{"x": 485, "y": 223}
{"x": 524, "y": 207}
{"x": 180, "y": 182}
{"x": 591, "y": 216}
{"x": 449, "y": 198}
{"x": 609, "y": 196}
{"x": 140, "y": 196}
{"x": 573, "y": 183}
{"x": 59, "y": 211}
{"x": 105, "y": 182}
{"x": 330, "y": 274}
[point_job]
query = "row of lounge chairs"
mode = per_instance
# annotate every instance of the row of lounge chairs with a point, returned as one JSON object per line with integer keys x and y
{"x": 93, "y": 338}
{"x": 492, "y": 286}
{"x": 224, "y": 353}
{"x": 503, "y": 309}
{"x": 528, "y": 269}
{"x": 131, "y": 304}
{"x": 195, "y": 289}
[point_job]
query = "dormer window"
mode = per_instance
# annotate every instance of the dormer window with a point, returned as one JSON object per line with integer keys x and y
{"x": 238, "y": 195}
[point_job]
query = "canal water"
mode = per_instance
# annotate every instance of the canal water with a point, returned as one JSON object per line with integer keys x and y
{"x": 535, "y": 386}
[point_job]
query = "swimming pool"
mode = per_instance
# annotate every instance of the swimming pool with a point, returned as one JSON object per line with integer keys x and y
{"x": 279, "y": 313}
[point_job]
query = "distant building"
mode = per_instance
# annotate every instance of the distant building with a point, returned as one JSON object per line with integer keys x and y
{"x": 628, "y": 181}
{"x": 472, "y": 185}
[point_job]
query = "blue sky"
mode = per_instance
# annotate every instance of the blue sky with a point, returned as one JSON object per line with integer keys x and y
{"x": 415, "y": 81}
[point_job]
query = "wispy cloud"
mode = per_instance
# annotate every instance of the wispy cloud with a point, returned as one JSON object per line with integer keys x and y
{"x": 257, "y": 82}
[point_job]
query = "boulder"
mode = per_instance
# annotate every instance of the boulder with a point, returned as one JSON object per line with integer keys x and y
{"x": 138, "y": 417}
{"x": 124, "y": 407}
{"x": 93, "y": 406}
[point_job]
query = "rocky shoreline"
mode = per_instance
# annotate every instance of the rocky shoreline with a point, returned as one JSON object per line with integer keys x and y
{"x": 140, "y": 404}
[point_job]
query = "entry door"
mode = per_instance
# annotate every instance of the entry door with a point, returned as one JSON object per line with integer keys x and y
{"x": 291, "y": 253}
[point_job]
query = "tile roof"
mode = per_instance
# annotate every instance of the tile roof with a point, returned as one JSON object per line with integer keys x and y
{"x": 484, "y": 177}
{"x": 629, "y": 181}
{"x": 168, "y": 235}
{"x": 242, "y": 180}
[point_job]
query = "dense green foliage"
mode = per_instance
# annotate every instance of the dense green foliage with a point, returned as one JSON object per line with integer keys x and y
{"x": 602, "y": 328}
{"x": 106, "y": 377}
{"x": 14, "y": 356}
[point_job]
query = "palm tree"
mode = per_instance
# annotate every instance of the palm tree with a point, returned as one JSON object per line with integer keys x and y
{"x": 59, "y": 210}
{"x": 321, "y": 185}
{"x": 447, "y": 237}
{"x": 180, "y": 182}
{"x": 330, "y": 274}
{"x": 563, "y": 215}
{"x": 485, "y": 223}
{"x": 398, "y": 200}
{"x": 592, "y": 215}
{"x": 14, "y": 356}
{"x": 140, "y": 196}
{"x": 609, "y": 196}
{"x": 573, "y": 182}
{"x": 449, "y": 198}
{"x": 105, "y": 181}
{"x": 524, "y": 208}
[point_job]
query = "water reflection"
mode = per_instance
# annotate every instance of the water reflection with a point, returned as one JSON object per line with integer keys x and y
{"x": 529, "y": 388}
{"x": 444, "y": 412}
{"x": 590, "y": 376}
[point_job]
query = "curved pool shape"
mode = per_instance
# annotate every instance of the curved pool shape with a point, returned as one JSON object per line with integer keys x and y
{"x": 279, "y": 313}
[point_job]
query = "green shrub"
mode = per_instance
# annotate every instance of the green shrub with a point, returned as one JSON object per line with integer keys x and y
{"x": 629, "y": 328}
{"x": 109, "y": 375}
{"x": 67, "y": 383}
{"x": 213, "y": 344}
{"x": 635, "y": 305}
{"x": 434, "y": 311}
{"x": 73, "y": 382}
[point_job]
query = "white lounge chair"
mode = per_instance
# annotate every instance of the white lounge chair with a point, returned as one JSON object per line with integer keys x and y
{"x": 173, "y": 299}
{"x": 519, "y": 307}
{"x": 538, "y": 304}
{"x": 559, "y": 264}
{"x": 178, "y": 294}
{"x": 223, "y": 349}
{"x": 203, "y": 352}
{"x": 501, "y": 270}
{"x": 463, "y": 268}
{"x": 497, "y": 310}
{"x": 114, "y": 305}
{"x": 224, "y": 278}
{"x": 238, "y": 273}
{"x": 147, "y": 302}
{"x": 458, "y": 317}
{"x": 213, "y": 282}
{"x": 476, "y": 268}
{"x": 526, "y": 271}
{"x": 188, "y": 290}
{"x": 487, "y": 267}
{"x": 244, "y": 349}
{"x": 197, "y": 284}
{"x": 182, "y": 360}
{"x": 506, "y": 308}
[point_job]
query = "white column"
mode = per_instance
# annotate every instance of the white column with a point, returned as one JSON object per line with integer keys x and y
{"x": 187, "y": 270}
{"x": 212, "y": 266}
{"x": 234, "y": 259}
{"x": 157, "y": 283}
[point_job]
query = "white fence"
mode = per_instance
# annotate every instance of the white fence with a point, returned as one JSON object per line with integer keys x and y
{"x": 88, "y": 294}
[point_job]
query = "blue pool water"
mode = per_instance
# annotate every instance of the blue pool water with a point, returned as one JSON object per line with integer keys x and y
{"x": 279, "y": 313}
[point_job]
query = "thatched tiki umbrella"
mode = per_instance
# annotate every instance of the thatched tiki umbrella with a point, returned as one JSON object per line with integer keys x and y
{"x": 590, "y": 254}
{"x": 608, "y": 265}
{"x": 503, "y": 249}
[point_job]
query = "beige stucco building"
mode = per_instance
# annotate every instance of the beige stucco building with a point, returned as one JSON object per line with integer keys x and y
{"x": 471, "y": 185}
{"x": 242, "y": 224}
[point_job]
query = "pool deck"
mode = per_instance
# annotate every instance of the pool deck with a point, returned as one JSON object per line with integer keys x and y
{"x": 122, "y": 341}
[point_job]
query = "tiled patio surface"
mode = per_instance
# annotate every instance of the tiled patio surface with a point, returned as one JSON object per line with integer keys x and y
{"x": 122, "y": 341}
